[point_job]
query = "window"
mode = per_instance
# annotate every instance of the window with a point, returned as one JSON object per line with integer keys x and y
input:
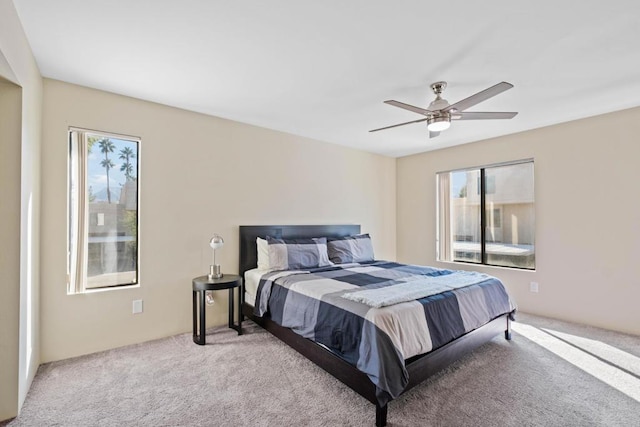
{"x": 103, "y": 210}
{"x": 486, "y": 215}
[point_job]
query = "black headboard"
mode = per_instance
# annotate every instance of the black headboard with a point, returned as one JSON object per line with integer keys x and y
{"x": 249, "y": 233}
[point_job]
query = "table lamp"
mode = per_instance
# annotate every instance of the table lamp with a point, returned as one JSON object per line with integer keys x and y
{"x": 216, "y": 242}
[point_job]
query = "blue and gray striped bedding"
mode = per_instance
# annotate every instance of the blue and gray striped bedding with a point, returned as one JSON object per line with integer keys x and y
{"x": 323, "y": 305}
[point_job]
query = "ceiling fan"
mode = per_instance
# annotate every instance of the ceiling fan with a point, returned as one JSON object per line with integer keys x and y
{"x": 440, "y": 113}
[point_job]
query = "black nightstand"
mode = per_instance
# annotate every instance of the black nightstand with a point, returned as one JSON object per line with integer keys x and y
{"x": 200, "y": 286}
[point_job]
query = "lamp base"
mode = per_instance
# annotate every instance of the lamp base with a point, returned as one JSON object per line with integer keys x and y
{"x": 214, "y": 272}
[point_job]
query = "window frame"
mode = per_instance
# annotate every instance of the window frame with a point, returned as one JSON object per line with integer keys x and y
{"x": 80, "y": 287}
{"x": 483, "y": 218}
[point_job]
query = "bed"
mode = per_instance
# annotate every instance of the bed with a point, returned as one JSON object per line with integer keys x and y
{"x": 376, "y": 365}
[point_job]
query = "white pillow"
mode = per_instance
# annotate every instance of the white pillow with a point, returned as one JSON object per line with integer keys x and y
{"x": 263, "y": 254}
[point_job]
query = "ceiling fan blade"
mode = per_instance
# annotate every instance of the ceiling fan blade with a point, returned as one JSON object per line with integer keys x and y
{"x": 479, "y": 97}
{"x": 470, "y": 115}
{"x": 409, "y": 107}
{"x": 400, "y": 124}
{"x": 433, "y": 134}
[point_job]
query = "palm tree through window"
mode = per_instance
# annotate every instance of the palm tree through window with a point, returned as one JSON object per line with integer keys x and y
{"x": 103, "y": 210}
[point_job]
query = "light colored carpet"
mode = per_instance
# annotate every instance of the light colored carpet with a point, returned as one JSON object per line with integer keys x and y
{"x": 255, "y": 380}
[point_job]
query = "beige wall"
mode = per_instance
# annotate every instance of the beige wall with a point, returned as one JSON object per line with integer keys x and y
{"x": 198, "y": 175}
{"x": 20, "y": 140}
{"x": 10, "y": 127}
{"x": 587, "y": 216}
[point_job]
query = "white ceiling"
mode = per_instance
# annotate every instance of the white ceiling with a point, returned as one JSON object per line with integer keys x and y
{"x": 322, "y": 69}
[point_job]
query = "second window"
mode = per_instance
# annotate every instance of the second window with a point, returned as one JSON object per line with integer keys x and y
{"x": 486, "y": 215}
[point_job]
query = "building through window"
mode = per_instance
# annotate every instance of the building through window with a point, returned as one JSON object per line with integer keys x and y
{"x": 103, "y": 210}
{"x": 487, "y": 215}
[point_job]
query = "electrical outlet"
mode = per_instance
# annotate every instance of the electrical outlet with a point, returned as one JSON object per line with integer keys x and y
{"x": 533, "y": 287}
{"x": 137, "y": 306}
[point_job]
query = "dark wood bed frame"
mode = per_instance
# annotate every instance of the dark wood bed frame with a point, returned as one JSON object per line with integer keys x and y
{"x": 419, "y": 367}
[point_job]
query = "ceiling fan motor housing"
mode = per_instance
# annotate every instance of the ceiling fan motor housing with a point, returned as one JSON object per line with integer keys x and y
{"x": 438, "y": 104}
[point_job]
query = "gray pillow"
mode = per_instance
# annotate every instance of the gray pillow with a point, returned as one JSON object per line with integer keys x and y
{"x": 350, "y": 249}
{"x": 296, "y": 254}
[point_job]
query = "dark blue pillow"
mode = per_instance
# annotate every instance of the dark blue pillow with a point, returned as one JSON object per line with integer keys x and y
{"x": 350, "y": 249}
{"x": 297, "y": 254}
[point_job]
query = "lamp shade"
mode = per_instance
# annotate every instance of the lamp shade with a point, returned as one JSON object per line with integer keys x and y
{"x": 216, "y": 241}
{"x": 438, "y": 124}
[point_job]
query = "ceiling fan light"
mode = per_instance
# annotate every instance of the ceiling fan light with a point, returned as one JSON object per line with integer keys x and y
{"x": 438, "y": 124}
